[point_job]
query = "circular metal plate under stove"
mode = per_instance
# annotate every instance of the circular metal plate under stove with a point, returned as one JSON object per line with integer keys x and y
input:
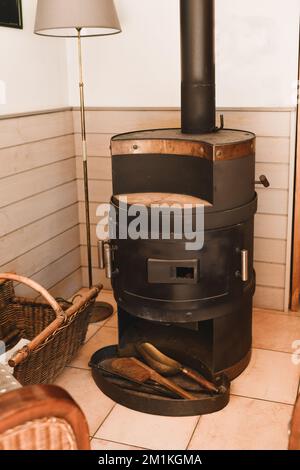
{"x": 205, "y": 403}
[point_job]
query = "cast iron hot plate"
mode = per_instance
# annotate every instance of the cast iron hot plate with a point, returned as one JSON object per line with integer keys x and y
{"x": 154, "y": 404}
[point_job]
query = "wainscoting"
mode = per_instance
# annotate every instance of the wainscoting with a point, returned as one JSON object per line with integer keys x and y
{"x": 42, "y": 233}
{"x": 275, "y": 155}
{"x": 39, "y": 231}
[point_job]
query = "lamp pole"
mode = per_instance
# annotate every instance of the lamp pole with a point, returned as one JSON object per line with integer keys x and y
{"x": 78, "y": 19}
{"x": 84, "y": 162}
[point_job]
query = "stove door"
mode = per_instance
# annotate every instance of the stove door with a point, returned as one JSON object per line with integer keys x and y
{"x": 160, "y": 279}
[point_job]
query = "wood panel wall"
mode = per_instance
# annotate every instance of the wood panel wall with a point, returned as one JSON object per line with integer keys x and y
{"x": 39, "y": 230}
{"x": 275, "y": 144}
{"x": 42, "y": 231}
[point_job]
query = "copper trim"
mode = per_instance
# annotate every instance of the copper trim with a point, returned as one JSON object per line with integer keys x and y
{"x": 162, "y": 147}
{"x": 235, "y": 151}
{"x": 183, "y": 148}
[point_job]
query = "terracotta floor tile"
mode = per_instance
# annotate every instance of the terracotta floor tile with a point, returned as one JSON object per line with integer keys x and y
{"x": 245, "y": 424}
{"x": 81, "y": 386}
{"x": 104, "y": 337}
{"x": 270, "y": 376}
{"x": 92, "y": 330}
{"x": 99, "y": 444}
{"x": 113, "y": 321}
{"x": 274, "y": 331}
{"x": 147, "y": 431}
{"x": 107, "y": 296}
{"x": 104, "y": 296}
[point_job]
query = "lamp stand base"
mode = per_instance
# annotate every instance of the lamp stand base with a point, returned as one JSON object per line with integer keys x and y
{"x": 101, "y": 311}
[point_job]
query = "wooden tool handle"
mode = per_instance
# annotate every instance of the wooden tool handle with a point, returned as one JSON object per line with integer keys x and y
{"x": 156, "y": 377}
{"x": 171, "y": 386}
{"x": 200, "y": 379}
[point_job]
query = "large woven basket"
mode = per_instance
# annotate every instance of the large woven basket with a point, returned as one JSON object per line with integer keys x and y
{"x": 55, "y": 329}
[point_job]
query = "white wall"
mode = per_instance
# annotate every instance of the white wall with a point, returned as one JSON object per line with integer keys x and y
{"x": 258, "y": 44}
{"x": 257, "y": 51}
{"x": 33, "y": 72}
{"x": 140, "y": 66}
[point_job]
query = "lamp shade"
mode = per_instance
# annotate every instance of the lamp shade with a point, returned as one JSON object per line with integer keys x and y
{"x": 63, "y": 18}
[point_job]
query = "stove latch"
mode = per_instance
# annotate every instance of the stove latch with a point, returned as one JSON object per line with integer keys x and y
{"x": 263, "y": 181}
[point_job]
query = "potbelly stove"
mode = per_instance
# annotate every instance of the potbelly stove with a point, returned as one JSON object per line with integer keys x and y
{"x": 195, "y": 306}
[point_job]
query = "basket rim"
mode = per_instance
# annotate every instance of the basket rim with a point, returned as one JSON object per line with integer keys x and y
{"x": 52, "y": 337}
{"x": 54, "y": 327}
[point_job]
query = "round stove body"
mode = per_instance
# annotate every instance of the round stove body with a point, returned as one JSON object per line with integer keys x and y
{"x": 184, "y": 278}
{"x": 157, "y": 281}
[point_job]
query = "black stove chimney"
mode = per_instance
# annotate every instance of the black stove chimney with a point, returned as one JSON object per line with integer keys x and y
{"x": 198, "y": 96}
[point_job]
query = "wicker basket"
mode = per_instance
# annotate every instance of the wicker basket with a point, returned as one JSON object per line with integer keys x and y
{"x": 55, "y": 330}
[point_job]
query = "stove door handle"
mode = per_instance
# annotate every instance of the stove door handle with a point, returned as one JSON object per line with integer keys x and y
{"x": 101, "y": 254}
{"x": 105, "y": 257}
{"x": 245, "y": 265}
{"x": 108, "y": 260}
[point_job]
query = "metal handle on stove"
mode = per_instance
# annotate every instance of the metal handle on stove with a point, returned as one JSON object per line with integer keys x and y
{"x": 245, "y": 265}
{"x": 108, "y": 260}
{"x": 105, "y": 257}
{"x": 101, "y": 254}
{"x": 263, "y": 181}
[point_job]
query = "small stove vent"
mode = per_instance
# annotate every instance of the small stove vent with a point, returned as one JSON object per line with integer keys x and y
{"x": 198, "y": 93}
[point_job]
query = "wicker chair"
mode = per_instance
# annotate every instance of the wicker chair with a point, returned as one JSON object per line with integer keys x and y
{"x": 41, "y": 417}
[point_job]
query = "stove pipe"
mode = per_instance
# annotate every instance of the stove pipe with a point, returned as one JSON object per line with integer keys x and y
{"x": 198, "y": 90}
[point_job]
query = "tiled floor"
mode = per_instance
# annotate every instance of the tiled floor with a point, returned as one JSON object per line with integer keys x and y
{"x": 257, "y": 416}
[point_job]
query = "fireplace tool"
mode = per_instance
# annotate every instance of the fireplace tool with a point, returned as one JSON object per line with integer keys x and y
{"x": 132, "y": 382}
{"x": 134, "y": 369}
{"x": 168, "y": 367}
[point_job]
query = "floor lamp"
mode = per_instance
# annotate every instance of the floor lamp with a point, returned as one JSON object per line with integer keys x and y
{"x": 78, "y": 19}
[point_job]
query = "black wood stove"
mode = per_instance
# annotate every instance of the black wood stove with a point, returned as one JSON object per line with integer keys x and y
{"x": 193, "y": 305}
